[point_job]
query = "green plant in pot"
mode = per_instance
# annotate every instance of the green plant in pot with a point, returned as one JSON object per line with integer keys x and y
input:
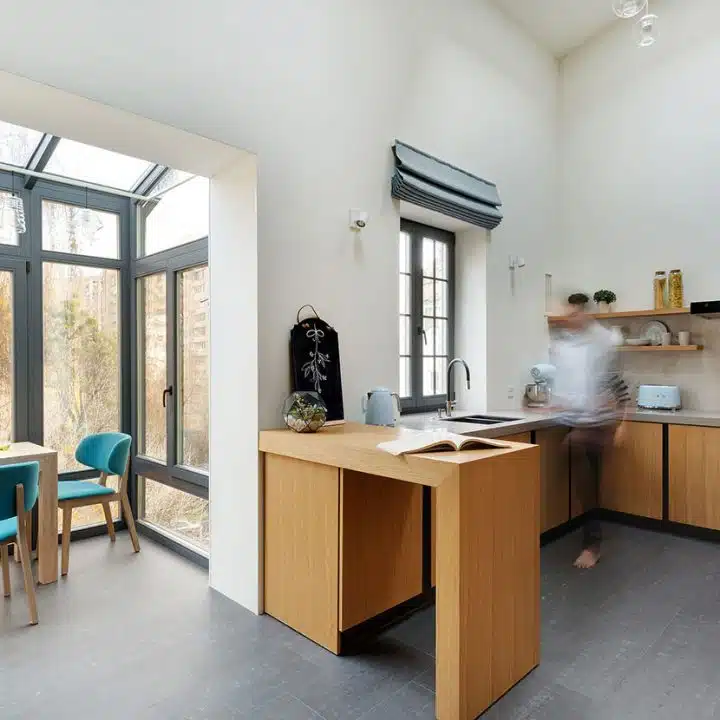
{"x": 604, "y": 299}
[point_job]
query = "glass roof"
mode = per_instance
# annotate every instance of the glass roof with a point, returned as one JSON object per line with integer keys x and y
{"x": 17, "y": 144}
{"x": 95, "y": 165}
{"x": 170, "y": 178}
{"x": 41, "y": 153}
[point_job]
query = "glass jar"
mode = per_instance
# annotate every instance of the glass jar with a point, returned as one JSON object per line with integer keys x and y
{"x": 659, "y": 289}
{"x": 675, "y": 290}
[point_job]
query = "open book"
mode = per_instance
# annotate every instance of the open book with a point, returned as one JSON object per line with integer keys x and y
{"x": 437, "y": 441}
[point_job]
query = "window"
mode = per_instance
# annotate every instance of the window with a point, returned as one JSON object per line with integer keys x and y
{"x": 79, "y": 230}
{"x": 173, "y": 394}
{"x": 425, "y": 314}
{"x": 193, "y": 370}
{"x": 95, "y": 337}
{"x": 175, "y": 512}
{"x": 81, "y": 364}
{"x": 180, "y": 216}
{"x": 152, "y": 306}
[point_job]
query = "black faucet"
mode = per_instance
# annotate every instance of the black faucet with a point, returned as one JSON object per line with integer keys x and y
{"x": 450, "y": 403}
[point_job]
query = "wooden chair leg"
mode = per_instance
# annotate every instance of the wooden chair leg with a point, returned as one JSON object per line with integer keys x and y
{"x": 24, "y": 546}
{"x": 130, "y": 521}
{"x": 5, "y": 560}
{"x": 109, "y": 521}
{"x": 67, "y": 527}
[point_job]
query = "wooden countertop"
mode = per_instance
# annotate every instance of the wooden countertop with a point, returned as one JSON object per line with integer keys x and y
{"x": 353, "y": 446}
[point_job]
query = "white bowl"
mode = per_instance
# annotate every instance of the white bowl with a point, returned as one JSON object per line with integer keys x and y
{"x": 637, "y": 341}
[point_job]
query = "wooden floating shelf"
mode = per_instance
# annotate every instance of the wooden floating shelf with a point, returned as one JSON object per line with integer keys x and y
{"x": 660, "y": 348}
{"x": 630, "y": 314}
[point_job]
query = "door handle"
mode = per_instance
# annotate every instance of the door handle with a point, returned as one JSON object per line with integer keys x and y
{"x": 167, "y": 391}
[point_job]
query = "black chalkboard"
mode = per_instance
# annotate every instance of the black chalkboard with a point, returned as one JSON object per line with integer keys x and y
{"x": 315, "y": 362}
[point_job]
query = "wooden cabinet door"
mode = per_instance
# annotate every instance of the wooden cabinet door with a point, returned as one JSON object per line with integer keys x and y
{"x": 694, "y": 475}
{"x": 633, "y": 470}
{"x": 554, "y": 477}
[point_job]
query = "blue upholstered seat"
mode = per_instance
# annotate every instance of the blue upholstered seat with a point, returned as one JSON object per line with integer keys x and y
{"x": 73, "y": 489}
{"x": 108, "y": 453}
{"x": 8, "y": 529}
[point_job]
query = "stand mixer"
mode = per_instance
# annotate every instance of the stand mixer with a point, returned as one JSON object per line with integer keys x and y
{"x": 539, "y": 392}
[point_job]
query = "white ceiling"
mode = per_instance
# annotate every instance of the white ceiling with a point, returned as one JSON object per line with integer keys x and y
{"x": 561, "y": 25}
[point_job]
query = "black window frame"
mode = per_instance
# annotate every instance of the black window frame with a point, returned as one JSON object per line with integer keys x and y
{"x": 417, "y": 402}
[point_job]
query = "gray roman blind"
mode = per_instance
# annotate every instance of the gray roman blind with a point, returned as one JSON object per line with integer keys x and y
{"x": 423, "y": 180}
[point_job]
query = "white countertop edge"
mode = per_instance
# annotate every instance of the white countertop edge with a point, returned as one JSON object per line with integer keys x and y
{"x": 537, "y": 419}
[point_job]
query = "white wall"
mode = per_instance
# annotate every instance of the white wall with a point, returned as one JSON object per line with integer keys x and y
{"x": 640, "y": 176}
{"x": 235, "y": 525}
{"x": 319, "y": 90}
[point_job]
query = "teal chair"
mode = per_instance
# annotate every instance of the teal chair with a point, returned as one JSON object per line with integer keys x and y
{"x": 108, "y": 453}
{"x": 18, "y": 494}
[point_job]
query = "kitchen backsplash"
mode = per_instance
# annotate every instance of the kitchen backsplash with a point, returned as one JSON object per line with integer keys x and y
{"x": 696, "y": 373}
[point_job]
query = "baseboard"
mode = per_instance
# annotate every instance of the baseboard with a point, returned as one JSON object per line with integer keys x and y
{"x": 663, "y": 526}
{"x": 356, "y": 639}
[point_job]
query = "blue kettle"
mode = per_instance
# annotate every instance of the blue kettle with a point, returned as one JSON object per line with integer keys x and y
{"x": 379, "y": 407}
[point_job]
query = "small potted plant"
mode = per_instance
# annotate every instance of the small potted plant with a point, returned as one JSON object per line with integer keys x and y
{"x": 604, "y": 299}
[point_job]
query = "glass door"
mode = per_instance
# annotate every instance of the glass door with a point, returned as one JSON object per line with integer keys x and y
{"x": 172, "y": 390}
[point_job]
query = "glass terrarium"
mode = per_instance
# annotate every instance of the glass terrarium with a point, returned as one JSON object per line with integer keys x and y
{"x": 304, "y": 411}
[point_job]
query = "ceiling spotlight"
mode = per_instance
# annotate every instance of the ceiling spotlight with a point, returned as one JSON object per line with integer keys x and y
{"x": 629, "y": 8}
{"x": 646, "y": 31}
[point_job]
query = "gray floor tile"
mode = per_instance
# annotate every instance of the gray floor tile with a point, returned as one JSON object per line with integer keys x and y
{"x": 412, "y": 702}
{"x": 636, "y": 638}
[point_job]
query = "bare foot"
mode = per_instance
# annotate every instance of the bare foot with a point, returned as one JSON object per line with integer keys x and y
{"x": 587, "y": 559}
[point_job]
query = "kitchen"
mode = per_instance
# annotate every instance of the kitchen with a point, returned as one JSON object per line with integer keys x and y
{"x": 610, "y": 237}
{"x": 604, "y": 157}
{"x": 659, "y": 477}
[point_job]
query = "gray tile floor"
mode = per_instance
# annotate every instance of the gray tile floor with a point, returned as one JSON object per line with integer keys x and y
{"x": 142, "y": 637}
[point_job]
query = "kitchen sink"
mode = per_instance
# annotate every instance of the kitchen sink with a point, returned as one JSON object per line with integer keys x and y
{"x": 481, "y": 419}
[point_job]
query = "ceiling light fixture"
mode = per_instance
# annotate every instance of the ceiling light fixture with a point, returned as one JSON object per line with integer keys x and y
{"x": 646, "y": 30}
{"x": 646, "y": 27}
{"x": 627, "y": 9}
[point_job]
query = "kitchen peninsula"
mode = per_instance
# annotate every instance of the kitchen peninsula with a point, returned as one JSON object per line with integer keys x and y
{"x": 343, "y": 528}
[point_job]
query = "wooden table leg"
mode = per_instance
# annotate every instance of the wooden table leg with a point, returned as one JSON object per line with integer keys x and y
{"x": 47, "y": 541}
{"x": 488, "y": 581}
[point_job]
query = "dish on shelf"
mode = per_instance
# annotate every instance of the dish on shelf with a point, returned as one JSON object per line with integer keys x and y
{"x": 654, "y": 331}
{"x": 637, "y": 341}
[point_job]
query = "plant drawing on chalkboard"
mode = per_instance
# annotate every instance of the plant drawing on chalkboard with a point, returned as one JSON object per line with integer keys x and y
{"x": 314, "y": 368}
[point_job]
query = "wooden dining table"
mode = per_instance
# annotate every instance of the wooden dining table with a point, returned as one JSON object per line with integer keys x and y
{"x": 47, "y": 505}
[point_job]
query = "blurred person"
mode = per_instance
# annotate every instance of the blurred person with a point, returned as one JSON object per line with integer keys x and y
{"x": 591, "y": 395}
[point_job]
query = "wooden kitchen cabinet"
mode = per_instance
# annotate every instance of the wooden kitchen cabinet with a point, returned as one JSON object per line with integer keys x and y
{"x": 631, "y": 475}
{"x": 694, "y": 475}
{"x": 554, "y": 477}
{"x": 633, "y": 472}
